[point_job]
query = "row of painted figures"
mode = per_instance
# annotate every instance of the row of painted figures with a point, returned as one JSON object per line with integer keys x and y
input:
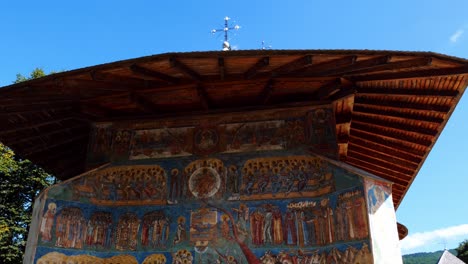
{"x": 350, "y": 255}
{"x": 302, "y": 224}
{"x": 269, "y": 176}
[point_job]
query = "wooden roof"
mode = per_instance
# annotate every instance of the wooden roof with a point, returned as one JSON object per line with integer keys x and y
{"x": 390, "y": 106}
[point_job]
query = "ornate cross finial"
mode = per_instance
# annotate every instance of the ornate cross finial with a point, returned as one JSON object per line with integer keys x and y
{"x": 226, "y": 45}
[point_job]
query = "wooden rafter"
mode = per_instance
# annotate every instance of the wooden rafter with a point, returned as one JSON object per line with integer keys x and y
{"x": 391, "y": 133}
{"x": 293, "y": 66}
{"x": 266, "y": 93}
{"x": 38, "y": 123}
{"x": 95, "y": 110}
{"x": 402, "y": 105}
{"x": 411, "y": 74}
{"x": 396, "y": 113}
{"x": 144, "y": 103}
{"x": 389, "y": 143}
{"x": 342, "y": 138}
{"x": 329, "y": 89}
{"x": 204, "y": 98}
{"x": 344, "y": 118}
{"x": 320, "y": 69}
{"x": 396, "y": 159}
{"x": 254, "y": 69}
{"x": 68, "y": 130}
{"x": 367, "y": 65}
{"x": 34, "y": 110}
{"x": 411, "y": 63}
{"x": 396, "y": 177}
{"x": 369, "y": 157}
{"x": 149, "y": 73}
{"x": 429, "y": 93}
{"x": 222, "y": 68}
{"x": 394, "y": 124}
{"x": 36, "y": 150}
{"x": 175, "y": 63}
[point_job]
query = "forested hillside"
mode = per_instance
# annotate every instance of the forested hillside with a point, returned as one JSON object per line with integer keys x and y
{"x": 425, "y": 257}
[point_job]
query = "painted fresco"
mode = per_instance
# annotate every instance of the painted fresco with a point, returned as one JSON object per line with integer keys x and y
{"x": 161, "y": 143}
{"x": 232, "y": 192}
{"x": 316, "y": 129}
{"x": 100, "y": 142}
{"x": 211, "y": 217}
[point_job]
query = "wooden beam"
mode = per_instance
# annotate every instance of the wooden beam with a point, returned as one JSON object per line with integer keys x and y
{"x": 394, "y": 124}
{"x": 389, "y": 133}
{"x": 388, "y": 143}
{"x": 83, "y": 88}
{"x": 396, "y": 177}
{"x": 344, "y": 93}
{"x": 204, "y": 98}
{"x": 397, "y": 65}
{"x": 374, "y": 153}
{"x": 69, "y": 130}
{"x": 411, "y": 74}
{"x": 429, "y": 93}
{"x": 401, "y": 104}
{"x": 175, "y": 63}
{"x": 321, "y": 69}
{"x": 266, "y": 93}
{"x": 358, "y": 65}
{"x": 342, "y": 138}
{"x": 144, "y": 103}
{"x": 149, "y": 73}
{"x": 396, "y": 113}
{"x": 34, "y": 110}
{"x": 95, "y": 110}
{"x": 49, "y": 147}
{"x": 70, "y": 152}
{"x": 37, "y": 123}
{"x": 369, "y": 157}
{"x": 343, "y": 118}
{"x": 222, "y": 68}
{"x": 253, "y": 70}
{"x": 381, "y": 147}
{"x": 292, "y": 66}
{"x": 329, "y": 89}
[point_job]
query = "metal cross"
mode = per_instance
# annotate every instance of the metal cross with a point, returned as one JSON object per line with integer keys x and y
{"x": 226, "y": 29}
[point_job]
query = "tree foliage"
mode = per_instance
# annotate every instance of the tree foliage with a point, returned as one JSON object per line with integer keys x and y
{"x": 462, "y": 251}
{"x": 36, "y": 73}
{"x": 20, "y": 183}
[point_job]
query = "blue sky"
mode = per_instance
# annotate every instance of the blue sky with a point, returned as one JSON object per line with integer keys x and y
{"x": 60, "y": 35}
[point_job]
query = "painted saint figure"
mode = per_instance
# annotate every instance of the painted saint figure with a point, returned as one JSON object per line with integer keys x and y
{"x": 47, "y": 222}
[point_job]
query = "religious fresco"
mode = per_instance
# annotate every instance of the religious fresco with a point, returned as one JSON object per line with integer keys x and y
{"x": 55, "y": 257}
{"x": 233, "y": 192}
{"x": 315, "y": 129}
{"x": 123, "y": 186}
{"x": 207, "y": 214}
{"x": 161, "y": 143}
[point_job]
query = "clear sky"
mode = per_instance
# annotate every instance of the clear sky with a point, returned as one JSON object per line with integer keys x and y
{"x": 65, "y": 35}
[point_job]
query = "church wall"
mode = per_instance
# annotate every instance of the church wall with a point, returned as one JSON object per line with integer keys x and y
{"x": 382, "y": 220}
{"x": 232, "y": 192}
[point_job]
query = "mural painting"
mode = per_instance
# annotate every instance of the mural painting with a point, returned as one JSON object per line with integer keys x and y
{"x": 315, "y": 129}
{"x": 124, "y": 186}
{"x": 240, "y": 192}
{"x": 208, "y": 215}
{"x": 161, "y": 143}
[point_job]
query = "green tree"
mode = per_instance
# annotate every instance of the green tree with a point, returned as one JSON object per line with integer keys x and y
{"x": 36, "y": 73}
{"x": 462, "y": 251}
{"x": 20, "y": 182}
